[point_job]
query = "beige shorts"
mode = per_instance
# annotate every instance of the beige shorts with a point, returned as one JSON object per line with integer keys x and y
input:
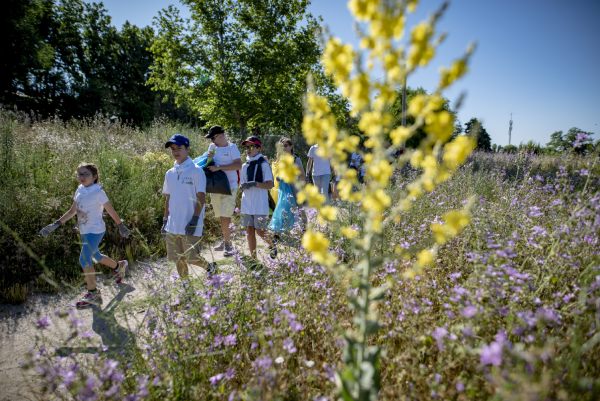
{"x": 185, "y": 247}
{"x": 223, "y": 205}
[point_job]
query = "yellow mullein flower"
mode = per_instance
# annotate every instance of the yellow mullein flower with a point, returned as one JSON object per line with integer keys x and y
{"x": 412, "y": 5}
{"x": 359, "y": 92}
{"x": 372, "y": 123}
{"x": 425, "y": 258}
{"x": 287, "y": 169}
{"x": 327, "y": 213}
{"x": 455, "y": 221}
{"x": 376, "y": 202}
{"x": 310, "y": 194}
{"x": 417, "y": 158}
{"x": 400, "y": 134}
{"x": 440, "y": 124}
{"x": 457, "y": 151}
{"x": 449, "y": 75}
{"x": 414, "y": 189}
{"x": 421, "y": 33}
{"x": 416, "y": 105}
{"x": 363, "y": 10}
{"x": 338, "y": 59}
{"x": 314, "y": 241}
{"x": 349, "y": 232}
{"x": 317, "y": 245}
{"x": 380, "y": 172}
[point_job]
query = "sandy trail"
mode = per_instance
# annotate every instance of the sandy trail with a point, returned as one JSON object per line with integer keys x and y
{"x": 111, "y": 325}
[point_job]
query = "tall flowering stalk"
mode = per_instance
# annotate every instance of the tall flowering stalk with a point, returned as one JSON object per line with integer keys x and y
{"x": 437, "y": 158}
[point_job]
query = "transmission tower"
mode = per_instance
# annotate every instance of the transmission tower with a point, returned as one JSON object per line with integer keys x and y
{"x": 510, "y": 128}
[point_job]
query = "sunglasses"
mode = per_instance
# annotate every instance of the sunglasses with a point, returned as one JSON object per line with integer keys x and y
{"x": 86, "y": 174}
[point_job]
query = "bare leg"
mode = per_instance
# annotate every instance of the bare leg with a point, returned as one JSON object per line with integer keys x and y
{"x": 251, "y": 236}
{"x": 225, "y": 222}
{"x": 106, "y": 261}
{"x": 182, "y": 268}
{"x": 89, "y": 274}
{"x": 265, "y": 236}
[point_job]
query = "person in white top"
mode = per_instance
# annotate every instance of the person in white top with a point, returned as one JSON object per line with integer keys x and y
{"x": 227, "y": 158}
{"x": 256, "y": 181}
{"x": 184, "y": 189}
{"x": 320, "y": 170}
{"x": 89, "y": 202}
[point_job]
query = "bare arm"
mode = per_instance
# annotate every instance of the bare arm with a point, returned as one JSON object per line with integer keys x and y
{"x": 265, "y": 185}
{"x": 112, "y": 212}
{"x": 200, "y": 200}
{"x": 166, "y": 212}
{"x": 235, "y": 165}
{"x": 309, "y": 166}
{"x": 68, "y": 214}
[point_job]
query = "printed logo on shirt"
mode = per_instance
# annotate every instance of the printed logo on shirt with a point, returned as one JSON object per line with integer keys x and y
{"x": 187, "y": 181}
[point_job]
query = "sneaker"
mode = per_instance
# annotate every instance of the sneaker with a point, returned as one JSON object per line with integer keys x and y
{"x": 228, "y": 250}
{"x": 219, "y": 247}
{"x": 211, "y": 269}
{"x": 89, "y": 299}
{"x": 273, "y": 252}
{"x": 120, "y": 270}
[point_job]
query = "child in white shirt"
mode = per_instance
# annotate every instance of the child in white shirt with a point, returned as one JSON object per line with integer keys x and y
{"x": 256, "y": 180}
{"x": 89, "y": 202}
{"x": 185, "y": 190}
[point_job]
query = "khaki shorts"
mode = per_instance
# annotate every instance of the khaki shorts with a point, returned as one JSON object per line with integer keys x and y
{"x": 223, "y": 205}
{"x": 185, "y": 247}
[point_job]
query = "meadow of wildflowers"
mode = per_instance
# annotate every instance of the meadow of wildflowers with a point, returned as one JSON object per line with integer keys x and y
{"x": 446, "y": 275}
{"x": 509, "y": 311}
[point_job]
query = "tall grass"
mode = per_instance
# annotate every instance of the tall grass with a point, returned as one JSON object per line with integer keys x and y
{"x": 509, "y": 312}
{"x": 38, "y": 160}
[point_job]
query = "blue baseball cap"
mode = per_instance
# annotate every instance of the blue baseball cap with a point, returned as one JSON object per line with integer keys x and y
{"x": 179, "y": 140}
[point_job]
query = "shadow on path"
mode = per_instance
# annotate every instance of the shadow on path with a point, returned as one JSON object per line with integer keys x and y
{"x": 116, "y": 339}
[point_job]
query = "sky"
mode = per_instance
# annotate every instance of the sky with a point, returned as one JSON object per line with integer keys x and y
{"x": 536, "y": 59}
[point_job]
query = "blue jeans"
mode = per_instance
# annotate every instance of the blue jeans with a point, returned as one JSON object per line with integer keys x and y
{"x": 322, "y": 183}
{"x": 89, "y": 249}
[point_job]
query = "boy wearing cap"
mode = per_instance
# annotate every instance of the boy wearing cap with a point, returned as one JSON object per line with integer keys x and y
{"x": 184, "y": 189}
{"x": 227, "y": 158}
{"x": 256, "y": 181}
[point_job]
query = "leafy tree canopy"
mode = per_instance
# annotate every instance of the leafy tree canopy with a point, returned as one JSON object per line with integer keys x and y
{"x": 238, "y": 63}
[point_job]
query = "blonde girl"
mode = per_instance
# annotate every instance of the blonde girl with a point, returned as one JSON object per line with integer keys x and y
{"x": 89, "y": 202}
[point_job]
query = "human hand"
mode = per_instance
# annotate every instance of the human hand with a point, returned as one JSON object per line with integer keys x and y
{"x": 247, "y": 185}
{"x": 190, "y": 229}
{"x": 49, "y": 229}
{"x": 214, "y": 168}
{"x": 123, "y": 230}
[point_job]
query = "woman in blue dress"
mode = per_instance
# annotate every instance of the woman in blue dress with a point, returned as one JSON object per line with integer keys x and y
{"x": 286, "y": 213}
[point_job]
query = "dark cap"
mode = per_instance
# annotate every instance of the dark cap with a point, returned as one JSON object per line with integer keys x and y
{"x": 252, "y": 140}
{"x": 214, "y": 131}
{"x": 179, "y": 140}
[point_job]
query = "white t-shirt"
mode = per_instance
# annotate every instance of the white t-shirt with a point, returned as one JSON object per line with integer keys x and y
{"x": 90, "y": 205}
{"x": 256, "y": 200}
{"x": 225, "y": 155}
{"x": 320, "y": 166}
{"x": 182, "y": 183}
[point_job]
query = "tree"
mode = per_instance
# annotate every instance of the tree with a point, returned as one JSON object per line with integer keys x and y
{"x": 239, "y": 63}
{"x": 475, "y": 127}
{"x": 396, "y": 111}
{"x": 575, "y": 140}
{"x": 557, "y": 143}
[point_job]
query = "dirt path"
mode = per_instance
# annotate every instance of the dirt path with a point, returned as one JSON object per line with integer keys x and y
{"x": 110, "y": 325}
